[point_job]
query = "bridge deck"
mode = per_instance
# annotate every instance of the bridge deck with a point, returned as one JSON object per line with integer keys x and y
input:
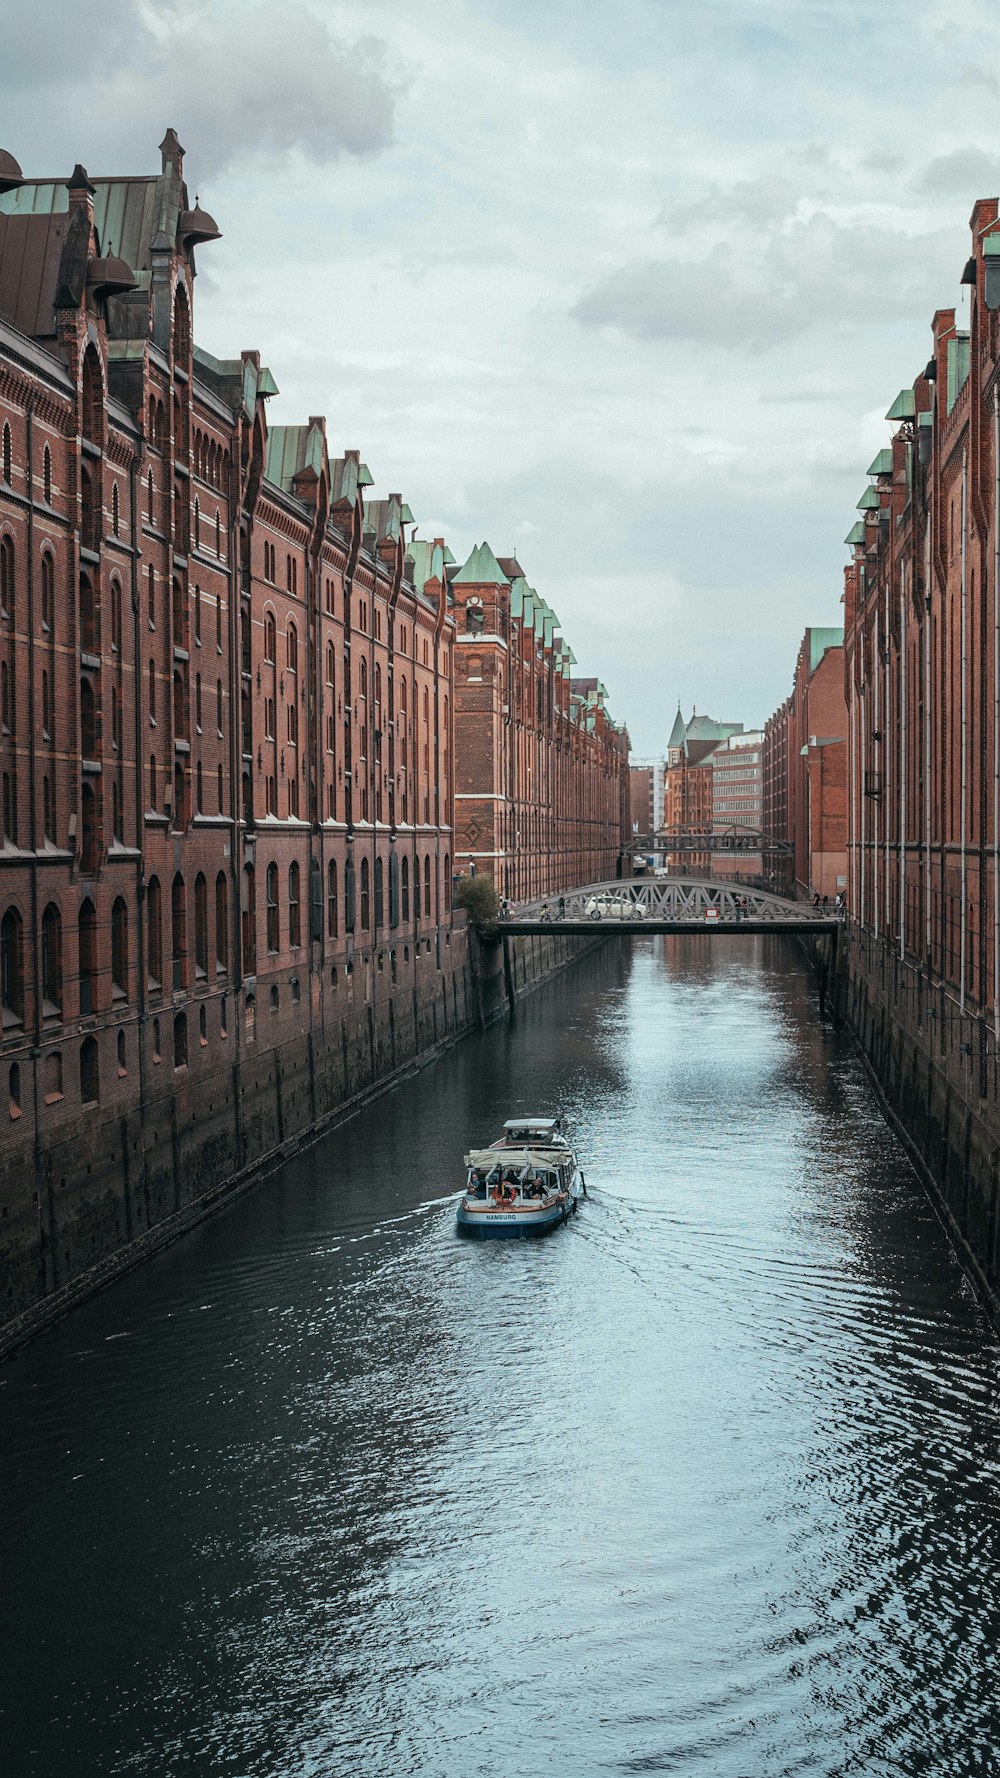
{"x": 612, "y": 928}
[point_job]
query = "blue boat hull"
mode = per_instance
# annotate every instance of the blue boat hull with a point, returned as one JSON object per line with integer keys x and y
{"x": 506, "y": 1225}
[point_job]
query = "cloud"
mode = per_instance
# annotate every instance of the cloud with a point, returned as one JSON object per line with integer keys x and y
{"x": 815, "y": 271}
{"x": 239, "y": 82}
{"x": 967, "y": 173}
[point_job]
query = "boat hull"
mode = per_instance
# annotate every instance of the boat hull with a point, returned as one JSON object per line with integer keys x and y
{"x": 490, "y": 1223}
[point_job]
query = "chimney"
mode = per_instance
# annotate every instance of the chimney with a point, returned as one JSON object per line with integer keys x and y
{"x": 172, "y": 154}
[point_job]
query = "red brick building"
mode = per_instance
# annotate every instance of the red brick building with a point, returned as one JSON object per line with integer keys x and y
{"x": 805, "y": 771}
{"x": 922, "y": 659}
{"x": 687, "y": 788}
{"x": 542, "y": 786}
{"x": 226, "y": 749}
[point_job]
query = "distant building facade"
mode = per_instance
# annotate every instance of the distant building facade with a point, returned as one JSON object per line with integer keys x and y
{"x": 738, "y": 800}
{"x": 688, "y": 800}
{"x": 805, "y": 771}
{"x": 542, "y": 788}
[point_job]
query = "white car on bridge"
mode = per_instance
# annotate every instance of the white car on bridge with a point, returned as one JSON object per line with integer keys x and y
{"x": 608, "y": 906}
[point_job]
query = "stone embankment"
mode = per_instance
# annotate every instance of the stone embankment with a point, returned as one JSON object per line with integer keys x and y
{"x": 119, "y": 1186}
{"x": 936, "y": 1068}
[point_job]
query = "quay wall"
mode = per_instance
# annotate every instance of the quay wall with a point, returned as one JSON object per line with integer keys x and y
{"x": 175, "y": 1145}
{"x": 936, "y": 1068}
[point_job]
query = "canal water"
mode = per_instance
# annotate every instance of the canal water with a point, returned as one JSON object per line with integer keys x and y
{"x": 706, "y": 1483}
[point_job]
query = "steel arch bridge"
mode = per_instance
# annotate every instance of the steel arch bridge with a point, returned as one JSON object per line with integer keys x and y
{"x": 629, "y": 907}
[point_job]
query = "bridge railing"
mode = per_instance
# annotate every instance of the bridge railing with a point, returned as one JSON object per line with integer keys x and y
{"x": 672, "y": 898}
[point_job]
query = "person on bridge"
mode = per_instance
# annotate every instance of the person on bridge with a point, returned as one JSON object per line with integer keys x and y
{"x": 562, "y": 907}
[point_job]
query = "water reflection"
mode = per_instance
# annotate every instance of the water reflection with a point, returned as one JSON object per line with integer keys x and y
{"x": 706, "y": 1483}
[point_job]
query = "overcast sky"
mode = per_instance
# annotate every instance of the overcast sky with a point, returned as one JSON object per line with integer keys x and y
{"x": 625, "y": 288}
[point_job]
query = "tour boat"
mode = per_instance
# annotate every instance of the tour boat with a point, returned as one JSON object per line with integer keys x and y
{"x": 525, "y": 1183}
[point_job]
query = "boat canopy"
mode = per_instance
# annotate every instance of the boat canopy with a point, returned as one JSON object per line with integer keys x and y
{"x": 544, "y": 1125}
{"x": 486, "y": 1159}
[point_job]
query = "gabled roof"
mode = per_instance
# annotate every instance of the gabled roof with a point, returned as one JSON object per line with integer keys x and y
{"x": 429, "y": 561}
{"x": 292, "y": 449}
{"x": 481, "y": 569}
{"x": 819, "y": 641}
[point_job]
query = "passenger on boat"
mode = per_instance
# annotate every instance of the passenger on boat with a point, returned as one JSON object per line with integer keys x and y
{"x": 477, "y": 1183}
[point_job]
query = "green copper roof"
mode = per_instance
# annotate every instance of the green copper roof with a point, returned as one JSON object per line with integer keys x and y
{"x": 481, "y": 569}
{"x": 869, "y": 501}
{"x": 428, "y": 561}
{"x": 365, "y": 477}
{"x": 882, "y": 463}
{"x": 958, "y": 366}
{"x": 820, "y": 641}
{"x": 292, "y": 449}
{"x": 904, "y": 407}
{"x": 991, "y": 246}
{"x": 266, "y": 384}
{"x": 856, "y": 534}
{"x": 677, "y": 732}
{"x": 926, "y": 418}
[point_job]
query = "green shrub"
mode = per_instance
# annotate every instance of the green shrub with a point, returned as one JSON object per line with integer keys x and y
{"x": 479, "y": 897}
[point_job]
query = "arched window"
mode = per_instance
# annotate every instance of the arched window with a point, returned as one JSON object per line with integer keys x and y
{"x": 178, "y": 930}
{"x": 7, "y": 580}
{"x": 221, "y": 924}
{"x": 379, "y": 911}
{"x": 447, "y": 883}
{"x": 152, "y": 691}
{"x": 201, "y": 924}
{"x": 90, "y": 1077}
{"x": 52, "y": 959}
{"x": 47, "y": 476}
{"x": 122, "y": 1055}
{"x": 331, "y": 899}
{"x": 88, "y": 719}
{"x": 331, "y": 663}
{"x": 273, "y": 930}
{"x": 53, "y": 1076}
{"x": 180, "y": 1040}
{"x": 248, "y": 919}
{"x": 197, "y": 524}
{"x": 427, "y": 886}
{"x": 218, "y": 709}
{"x": 93, "y": 398}
{"x": 90, "y": 630}
{"x": 48, "y": 592}
{"x": 150, "y": 500}
{"x": 364, "y": 895}
{"x": 292, "y": 649}
{"x": 151, "y": 596}
{"x": 349, "y": 895}
{"x": 294, "y": 911}
{"x": 154, "y": 933}
{"x": 363, "y": 679}
{"x": 48, "y": 810}
{"x": 46, "y": 703}
{"x": 5, "y": 462}
{"x": 116, "y": 615}
{"x": 152, "y": 781}
{"x": 86, "y": 933}
{"x": 119, "y": 949}
{"x": 180, "y": 711}
{"x": 405, "y": 876}
{"x": 197, "y": 616}
{"x": 115, "y": 510}
{"x": 182, "y": 328}
{"x": 179, "y": 812}
{"x": 270, "y": 637}
{"x": 199, "y": 788}
{"x": 179, "y": 614}
{"x": 6, "y": 698}
{"x": 12, "y": 967}
{"x": 219, "y": 791}
{"x": 197, "y": 702}
{"x": 90, "y": 839}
